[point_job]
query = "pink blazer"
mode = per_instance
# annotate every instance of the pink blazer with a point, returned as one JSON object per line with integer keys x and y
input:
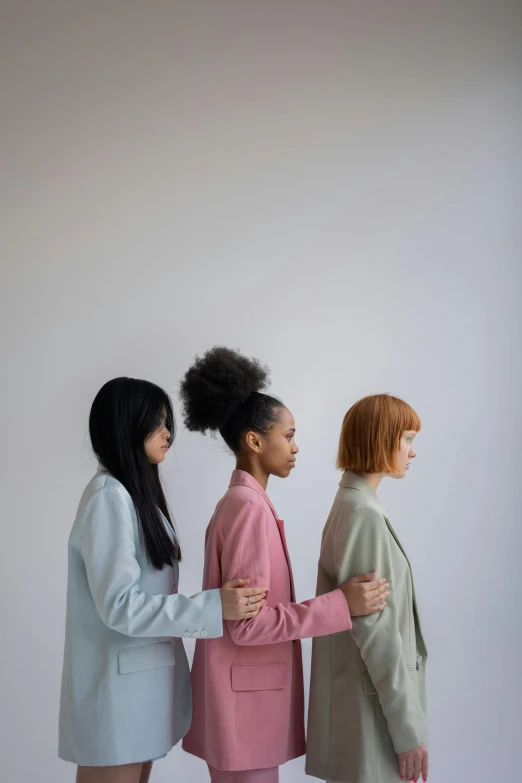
{"x": 248, "y": 700}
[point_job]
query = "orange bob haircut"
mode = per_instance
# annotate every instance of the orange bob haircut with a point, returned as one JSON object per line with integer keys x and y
{"x": 371, "y": 434}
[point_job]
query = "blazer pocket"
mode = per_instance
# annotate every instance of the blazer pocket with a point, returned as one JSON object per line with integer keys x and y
{"x": 259, "y": 676}
{"x": 368, "y": 686}
{"x": 145, "y": 656}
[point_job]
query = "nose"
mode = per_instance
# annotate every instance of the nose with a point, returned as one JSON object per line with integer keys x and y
{"x": 295, "y": 449}
{"x": 167, "y": 434}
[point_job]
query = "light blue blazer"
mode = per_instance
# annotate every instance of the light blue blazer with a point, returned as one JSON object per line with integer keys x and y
{"x": 126, "y": 693}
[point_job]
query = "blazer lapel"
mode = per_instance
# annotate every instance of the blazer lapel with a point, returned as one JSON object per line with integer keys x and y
{"x": 415, "y": 608}
{"x": 355, "y": 481}
{"x": 245, "y": 479}
{"x": 281, "y": 526}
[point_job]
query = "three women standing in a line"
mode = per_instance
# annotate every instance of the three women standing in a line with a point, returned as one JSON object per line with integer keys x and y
{"x": 123, "y": 702}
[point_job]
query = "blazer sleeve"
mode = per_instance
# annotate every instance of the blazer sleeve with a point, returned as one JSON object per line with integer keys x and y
{"x": 245, "y": 551}
{"x": 362, "y": 544}
{"x": 113, "y": 573}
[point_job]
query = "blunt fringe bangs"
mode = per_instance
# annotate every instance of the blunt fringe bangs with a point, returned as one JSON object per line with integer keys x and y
{"x": 371, "y": 434}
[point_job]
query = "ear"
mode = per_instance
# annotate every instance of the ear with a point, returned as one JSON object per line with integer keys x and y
{"x": 253, "y": 442}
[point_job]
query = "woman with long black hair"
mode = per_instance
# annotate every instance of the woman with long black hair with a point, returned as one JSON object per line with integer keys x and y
{"x": 126, "y": 696}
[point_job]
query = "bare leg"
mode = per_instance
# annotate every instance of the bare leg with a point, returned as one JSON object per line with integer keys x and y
{"x": 124, "y": 773}
{"x": 270, "y": 775}
{"x": 145, "y": 772}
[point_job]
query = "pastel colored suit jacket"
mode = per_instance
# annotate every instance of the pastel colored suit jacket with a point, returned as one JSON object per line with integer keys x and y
{"x": 248, "y": 685}
{"x": 126, "y": 693}
{"x": 367, "y": 692}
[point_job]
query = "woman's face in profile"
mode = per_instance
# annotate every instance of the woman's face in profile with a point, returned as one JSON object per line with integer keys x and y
{"x": 405, "y": 453}
{"x": 157, "y": 444}
{"x": 280, "y": 448}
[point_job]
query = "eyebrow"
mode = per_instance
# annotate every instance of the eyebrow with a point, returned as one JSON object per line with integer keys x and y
{"x": 291, "y": 429}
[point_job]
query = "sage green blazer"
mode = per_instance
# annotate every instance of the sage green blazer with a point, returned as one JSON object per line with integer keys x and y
{"x": 367, "y": 692}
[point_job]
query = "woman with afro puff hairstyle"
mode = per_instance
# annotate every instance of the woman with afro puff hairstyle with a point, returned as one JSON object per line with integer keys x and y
{"x": 248, "y": 701}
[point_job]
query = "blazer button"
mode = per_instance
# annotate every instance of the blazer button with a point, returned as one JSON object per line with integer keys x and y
{"x": 204, "y": 633}
{"x": 196, "y": 633}
{"x": 187, "y": 633}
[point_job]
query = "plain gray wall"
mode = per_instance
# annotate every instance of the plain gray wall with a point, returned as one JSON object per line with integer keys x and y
{"x": 333, "y": 187}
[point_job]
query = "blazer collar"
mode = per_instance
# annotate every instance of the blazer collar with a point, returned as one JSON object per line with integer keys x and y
{"x": 240, "y": 478}
{"x": 354, "y": 481}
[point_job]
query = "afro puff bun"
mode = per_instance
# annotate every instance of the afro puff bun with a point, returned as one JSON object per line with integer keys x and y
{"x": 217, "y": 385}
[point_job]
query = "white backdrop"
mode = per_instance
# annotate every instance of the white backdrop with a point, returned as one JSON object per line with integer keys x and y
{"x": 333, "y": 187}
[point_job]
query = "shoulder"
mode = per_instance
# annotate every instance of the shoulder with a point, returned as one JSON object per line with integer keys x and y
{"x": 106, "y": 494}
{"x": 352, "y": 497}
{"x": 238, "y": 497}
{"x": 105, "y": 485}
{"x": 366, "y": 514}
{"x": 352, "y": 508}
{"x": 354, "y": 501}
{"x": 242, "y": 507}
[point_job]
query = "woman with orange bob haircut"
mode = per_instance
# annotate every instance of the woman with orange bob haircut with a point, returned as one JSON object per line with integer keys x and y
{"x": 367, "y": 715}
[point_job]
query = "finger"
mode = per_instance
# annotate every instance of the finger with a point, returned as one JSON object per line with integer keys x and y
{"x": 255, "y": 599}
{"x": 376, "y": 609}
{"x": 254, "y": 607}
{"x": 363, "y": 578}
{"x": 376, "y": 595}
{"x": 236, "y": 583}
{"x": 248, "y": 591}
{"x": 379, "y": 600}
{"x": 251, "y": 600}
{"x": 379, "y": 586}
{"x": 402, "y": 767}
{"x": 253, "y": 611}
{"x": 409, "y": 767}
{"x": 417, "y": 766}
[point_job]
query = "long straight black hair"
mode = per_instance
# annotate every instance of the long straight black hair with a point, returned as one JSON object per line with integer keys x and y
{"x": 125, "y": 412}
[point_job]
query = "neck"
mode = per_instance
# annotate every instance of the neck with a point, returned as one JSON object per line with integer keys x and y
{"x": 373, "y": 479}
{"x": 255, "y": 470}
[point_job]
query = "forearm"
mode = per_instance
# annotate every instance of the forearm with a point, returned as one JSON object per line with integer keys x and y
{"x": 136, "y": 613}
{"x": 319, "y": 616}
